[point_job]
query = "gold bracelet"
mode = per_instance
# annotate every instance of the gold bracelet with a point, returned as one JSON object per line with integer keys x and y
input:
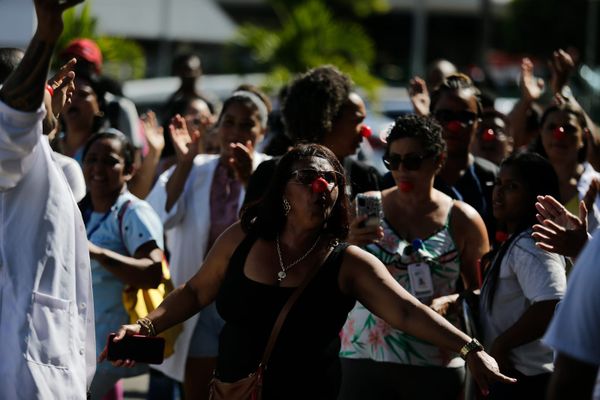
{"x": 147, "y": 324}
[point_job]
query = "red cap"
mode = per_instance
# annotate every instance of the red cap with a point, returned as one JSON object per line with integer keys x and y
{"x": 85, "y": 49}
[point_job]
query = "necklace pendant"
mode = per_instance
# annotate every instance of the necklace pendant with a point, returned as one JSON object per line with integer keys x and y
{"x": 281, "y": 275}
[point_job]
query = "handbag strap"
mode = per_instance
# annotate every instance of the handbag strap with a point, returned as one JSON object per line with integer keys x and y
{"x": 286, "y": 309}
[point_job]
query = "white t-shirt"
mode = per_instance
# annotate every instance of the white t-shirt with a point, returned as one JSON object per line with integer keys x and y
{"x": 527, "y": 275}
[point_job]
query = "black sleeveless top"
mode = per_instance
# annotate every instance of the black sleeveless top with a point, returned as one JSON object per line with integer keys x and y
{"x": 304, "y": 363}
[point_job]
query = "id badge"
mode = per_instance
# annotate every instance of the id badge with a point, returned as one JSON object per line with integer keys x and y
{"x": 419, "y": 275}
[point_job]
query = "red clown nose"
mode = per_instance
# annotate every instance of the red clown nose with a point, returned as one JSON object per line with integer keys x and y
{"x": 559, "y": 133}
{"x": 406, "y": 186}
{"x": 319, "y": 185}
{"x": 365, "y": 131}
{"x": 454, "y": 127}
{"x": 488, "y": 135}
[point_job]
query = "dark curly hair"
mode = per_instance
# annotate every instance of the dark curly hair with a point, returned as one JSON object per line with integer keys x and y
{"x": 314, "y": 102}
{"x": 266, "y": 217}
{"x": 453, "y": 83}
{"x": 425, "y": 129}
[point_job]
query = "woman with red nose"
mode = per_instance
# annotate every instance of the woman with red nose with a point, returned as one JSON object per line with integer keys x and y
{"x": 562, "y": 138}
{"x": 380, "y": 362}
{"x": 456, "y": 106}
{"x": 294, "y": 235}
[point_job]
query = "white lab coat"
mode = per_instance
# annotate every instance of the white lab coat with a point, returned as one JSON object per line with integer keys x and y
{"x": 187, "y": 227}
{"x": 47, "y": 346}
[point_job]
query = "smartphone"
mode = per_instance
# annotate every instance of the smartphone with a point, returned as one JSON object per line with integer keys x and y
{"x": 144, "y": 349}
{"x": 369, "y": 204}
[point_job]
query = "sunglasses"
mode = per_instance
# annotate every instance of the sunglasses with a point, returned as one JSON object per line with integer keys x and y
{"x": 411, "y": 161}
{"x": 307, "y": 176}
{"x": 466, "y": 118}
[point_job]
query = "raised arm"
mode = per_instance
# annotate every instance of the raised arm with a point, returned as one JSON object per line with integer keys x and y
{"x": 365, "y": 277}
{"x": 531, "y": 90}
{"x": 186, "y": 148}
{"x": 24, "y": 89}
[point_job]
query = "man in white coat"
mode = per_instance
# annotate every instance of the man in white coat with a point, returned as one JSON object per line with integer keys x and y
{"x": 46, "y": 307}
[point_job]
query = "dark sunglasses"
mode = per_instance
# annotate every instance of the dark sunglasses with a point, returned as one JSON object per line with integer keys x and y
{"x": 411, "y": 161}
{"x": 307, "y": 176}
{"x": 466, "y": 118}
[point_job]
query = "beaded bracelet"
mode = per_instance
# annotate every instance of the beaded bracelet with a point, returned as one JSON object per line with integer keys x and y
{"x": 147, "y": 324}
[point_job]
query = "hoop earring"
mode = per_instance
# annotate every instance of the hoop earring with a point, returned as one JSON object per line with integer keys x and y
{"x": 286, "y": 207}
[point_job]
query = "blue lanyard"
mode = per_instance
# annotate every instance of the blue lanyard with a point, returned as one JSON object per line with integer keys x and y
{"x": 95, "y": 228}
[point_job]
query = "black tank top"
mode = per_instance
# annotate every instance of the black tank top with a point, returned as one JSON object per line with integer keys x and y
{"x": 304, "y": 363}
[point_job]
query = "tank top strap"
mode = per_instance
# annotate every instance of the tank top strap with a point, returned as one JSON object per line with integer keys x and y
{"x": 449, "y": 215}
{"x": 238, "y": 258}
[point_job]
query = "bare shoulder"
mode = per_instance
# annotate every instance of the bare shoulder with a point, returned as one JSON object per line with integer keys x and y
{"x": 228, "y": 241}
{"x": 464, "y": 215}
{"x": 355, "y": 257}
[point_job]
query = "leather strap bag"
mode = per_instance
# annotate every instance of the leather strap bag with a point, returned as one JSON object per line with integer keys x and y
{"x": 250, "y": 387}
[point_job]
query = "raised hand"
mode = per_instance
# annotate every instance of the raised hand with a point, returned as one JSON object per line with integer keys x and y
{"x": 559, "y": 231}
{"x": 63, "y": 86}
{"x": 49, "y": 16}
{"x": 419, "y": 96}
{"x": 531, "y": 87}
{"x": 561, "y": 65}
{"x": 184, "y": 142}
{"x": 153, "y": 133}
{"x": 240, "y": 160}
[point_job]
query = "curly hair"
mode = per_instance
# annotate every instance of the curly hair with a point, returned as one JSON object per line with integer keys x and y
{"x": 453, "y": 83}
{"x": 266, "y": 217}
{"x": 425, "y": 129}
{"x": 314, "y": 102}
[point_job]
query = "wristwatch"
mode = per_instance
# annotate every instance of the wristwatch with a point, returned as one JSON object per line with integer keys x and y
{"x": 473, "y": 345}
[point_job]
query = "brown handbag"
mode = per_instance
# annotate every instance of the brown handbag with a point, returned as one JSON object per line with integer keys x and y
{"x": 250, "y": 387}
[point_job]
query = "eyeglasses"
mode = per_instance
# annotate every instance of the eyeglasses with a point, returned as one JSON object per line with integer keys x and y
{"x": 307, "y": 176}
{"x": 466, "y": 118}
{"x": 411, "y": 161}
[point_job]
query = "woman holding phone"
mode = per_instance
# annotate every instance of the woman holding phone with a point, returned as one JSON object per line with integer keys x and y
{"x": 255, "y": 266}
{"x": 431, "y": 245}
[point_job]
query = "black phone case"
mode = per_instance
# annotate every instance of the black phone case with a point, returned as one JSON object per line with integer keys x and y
{"x": 143, "y": 349}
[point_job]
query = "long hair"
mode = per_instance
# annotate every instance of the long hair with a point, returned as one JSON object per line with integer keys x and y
{"x": 266, "y": 217}
{"x": 539, "y": 179}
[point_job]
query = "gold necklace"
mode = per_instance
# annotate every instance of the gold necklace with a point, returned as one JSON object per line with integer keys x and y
{"x": 281, "y": 275}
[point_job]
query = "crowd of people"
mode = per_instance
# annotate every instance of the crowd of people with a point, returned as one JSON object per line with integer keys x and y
{"x": 479, "y": 273}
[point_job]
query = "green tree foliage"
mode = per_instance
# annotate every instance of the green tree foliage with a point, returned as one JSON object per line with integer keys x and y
{"x": 123, "y": 59}
{"x": 311, "y": 36}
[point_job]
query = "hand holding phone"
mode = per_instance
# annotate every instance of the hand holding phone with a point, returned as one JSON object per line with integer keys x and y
{"x": 139, "y": 348}
{"x": 369, "y": 204}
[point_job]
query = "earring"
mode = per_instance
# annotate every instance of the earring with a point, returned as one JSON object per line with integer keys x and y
{"x": 286, "y": 207}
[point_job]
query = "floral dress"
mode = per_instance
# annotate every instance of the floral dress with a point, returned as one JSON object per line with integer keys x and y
{"x": 366, "y": 336}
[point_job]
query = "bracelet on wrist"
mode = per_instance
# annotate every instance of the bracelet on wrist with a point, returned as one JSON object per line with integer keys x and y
{"x": 470, "y": 347}
{"x": 147, "y": 324}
